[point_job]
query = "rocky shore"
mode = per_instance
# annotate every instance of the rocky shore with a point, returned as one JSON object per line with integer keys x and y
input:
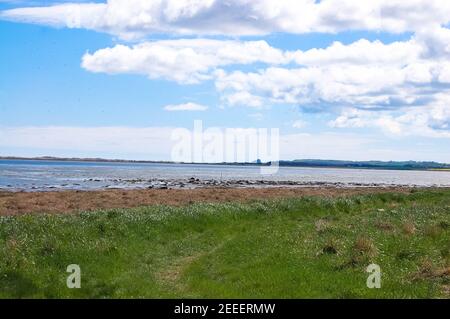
{"x": 193, "y": 183}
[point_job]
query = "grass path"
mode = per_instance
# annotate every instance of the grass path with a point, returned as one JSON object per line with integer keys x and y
{"x": 305, "y": 247}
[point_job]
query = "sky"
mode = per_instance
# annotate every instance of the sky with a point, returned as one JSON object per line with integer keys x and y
{"x": 349, "y": 80}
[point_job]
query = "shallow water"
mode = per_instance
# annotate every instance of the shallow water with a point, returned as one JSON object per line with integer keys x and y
{"x": 48, "y": 175}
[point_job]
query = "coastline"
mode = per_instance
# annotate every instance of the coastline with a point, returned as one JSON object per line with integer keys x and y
{"x": 72, "y": 201}
{"x": 97, "y": 184}
{"x": 299, "y": 163}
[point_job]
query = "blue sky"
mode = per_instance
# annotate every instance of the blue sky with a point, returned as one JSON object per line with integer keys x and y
{"x": 57, "y": 75}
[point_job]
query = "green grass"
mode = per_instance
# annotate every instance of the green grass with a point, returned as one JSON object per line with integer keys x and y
{"x": 307, "y": 247}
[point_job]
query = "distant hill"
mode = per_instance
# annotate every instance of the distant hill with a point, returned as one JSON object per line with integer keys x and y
{"x": 406, "y": 165}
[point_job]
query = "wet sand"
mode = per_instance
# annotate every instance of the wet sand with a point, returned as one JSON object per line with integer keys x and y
{"x": 18, "y": 203}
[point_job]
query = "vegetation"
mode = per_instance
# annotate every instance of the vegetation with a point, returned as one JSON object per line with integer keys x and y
{"x": 306, "y": 247}
{"x": 408, "y": 165}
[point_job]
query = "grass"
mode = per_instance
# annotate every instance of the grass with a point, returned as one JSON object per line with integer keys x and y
{"x": 315, "y": 247}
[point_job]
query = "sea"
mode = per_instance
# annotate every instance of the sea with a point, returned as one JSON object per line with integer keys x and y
{"x": 41, "y": 175}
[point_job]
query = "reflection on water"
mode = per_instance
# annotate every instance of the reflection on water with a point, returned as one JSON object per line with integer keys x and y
{"x": 36, "y": 175}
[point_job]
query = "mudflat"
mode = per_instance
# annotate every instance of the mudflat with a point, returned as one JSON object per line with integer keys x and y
{"x": 18, "y": 203}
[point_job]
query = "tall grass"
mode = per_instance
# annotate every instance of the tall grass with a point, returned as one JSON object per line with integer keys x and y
{"x": 306, "y": 247}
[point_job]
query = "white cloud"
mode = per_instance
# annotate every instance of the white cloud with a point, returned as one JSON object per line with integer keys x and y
{"x": 299, "y": 124}
{"x": 186, "y": 107}
{"x": 63, "y": 15}
{"x": 435, "y": 40}
{"x": 398, "y": 87}
{"x": 401, "y": 88}
{"x": 135, "y": 18}
{"x": 362, "y": 75}
{"x": 431, "y": 121}
{"x": 183, "y": 61}
{"x": 361, "y": 52}
{"x": 350, "y": 84}
{"x": 243, "y": 98}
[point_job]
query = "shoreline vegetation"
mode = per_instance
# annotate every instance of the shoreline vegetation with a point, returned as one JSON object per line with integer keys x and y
{"x": 229, "y": 243}
{"x": 72, "y": 201}
{"x": 318, "y": 163}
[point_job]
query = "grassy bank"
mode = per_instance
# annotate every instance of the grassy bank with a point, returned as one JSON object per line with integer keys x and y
{"x": 293, "y": 248}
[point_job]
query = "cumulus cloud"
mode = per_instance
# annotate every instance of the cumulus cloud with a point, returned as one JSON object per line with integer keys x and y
{"x": 136, "y": 18}
{"x": 431, "y": 121}
{"x": 362, "y": 75}
{"x": 360, "y": 85}
{"x": 362, "y": 52}
{"x": 400, "y": 87}
{"x": 183, "y": 61}
{"x": 185, "y": 107}
{"x": 363, "y": 72}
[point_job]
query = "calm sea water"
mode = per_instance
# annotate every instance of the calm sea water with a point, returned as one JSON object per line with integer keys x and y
{"x": 42, "y": 175}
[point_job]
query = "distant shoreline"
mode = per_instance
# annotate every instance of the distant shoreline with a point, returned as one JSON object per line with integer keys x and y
{"x": 309, "y": 163}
